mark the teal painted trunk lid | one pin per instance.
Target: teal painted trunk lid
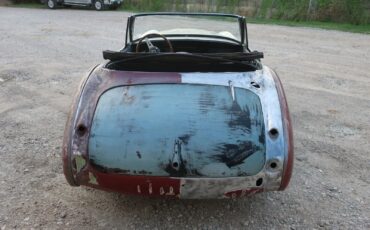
(180, 130)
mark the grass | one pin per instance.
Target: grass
(363, 28)
(29, 5)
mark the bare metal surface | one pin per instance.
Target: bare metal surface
(44, 55)
(193, 188)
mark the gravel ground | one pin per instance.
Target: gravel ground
(326, 75)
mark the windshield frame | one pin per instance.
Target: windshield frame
(242, 26)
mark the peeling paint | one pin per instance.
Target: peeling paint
(92, 179)
(150, 188)
(194, 188)
(80, 162)
(161, 191)
(171, 192)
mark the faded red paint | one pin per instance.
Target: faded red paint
(288, 130)
(134, 185)
(66, 149)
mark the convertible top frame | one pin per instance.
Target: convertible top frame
(242, 24)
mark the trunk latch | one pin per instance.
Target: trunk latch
(176, 158)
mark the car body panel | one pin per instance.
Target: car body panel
(145, 130)
(76, 153)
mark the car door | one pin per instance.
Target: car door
(82, 2)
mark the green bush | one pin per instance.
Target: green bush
(351, 11)
(24, 1)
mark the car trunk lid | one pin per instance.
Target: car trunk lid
(178, 130)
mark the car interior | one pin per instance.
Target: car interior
(183, 55)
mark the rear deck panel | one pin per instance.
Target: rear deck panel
(202, 131)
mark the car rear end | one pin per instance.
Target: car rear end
(183, 135)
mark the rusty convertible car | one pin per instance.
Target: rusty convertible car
(184, 110)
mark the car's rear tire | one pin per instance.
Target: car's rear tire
(98, 5)
(52, 4)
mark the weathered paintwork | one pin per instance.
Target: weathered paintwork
(204, 131)
(89, 160)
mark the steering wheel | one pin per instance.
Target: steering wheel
(151, 47)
